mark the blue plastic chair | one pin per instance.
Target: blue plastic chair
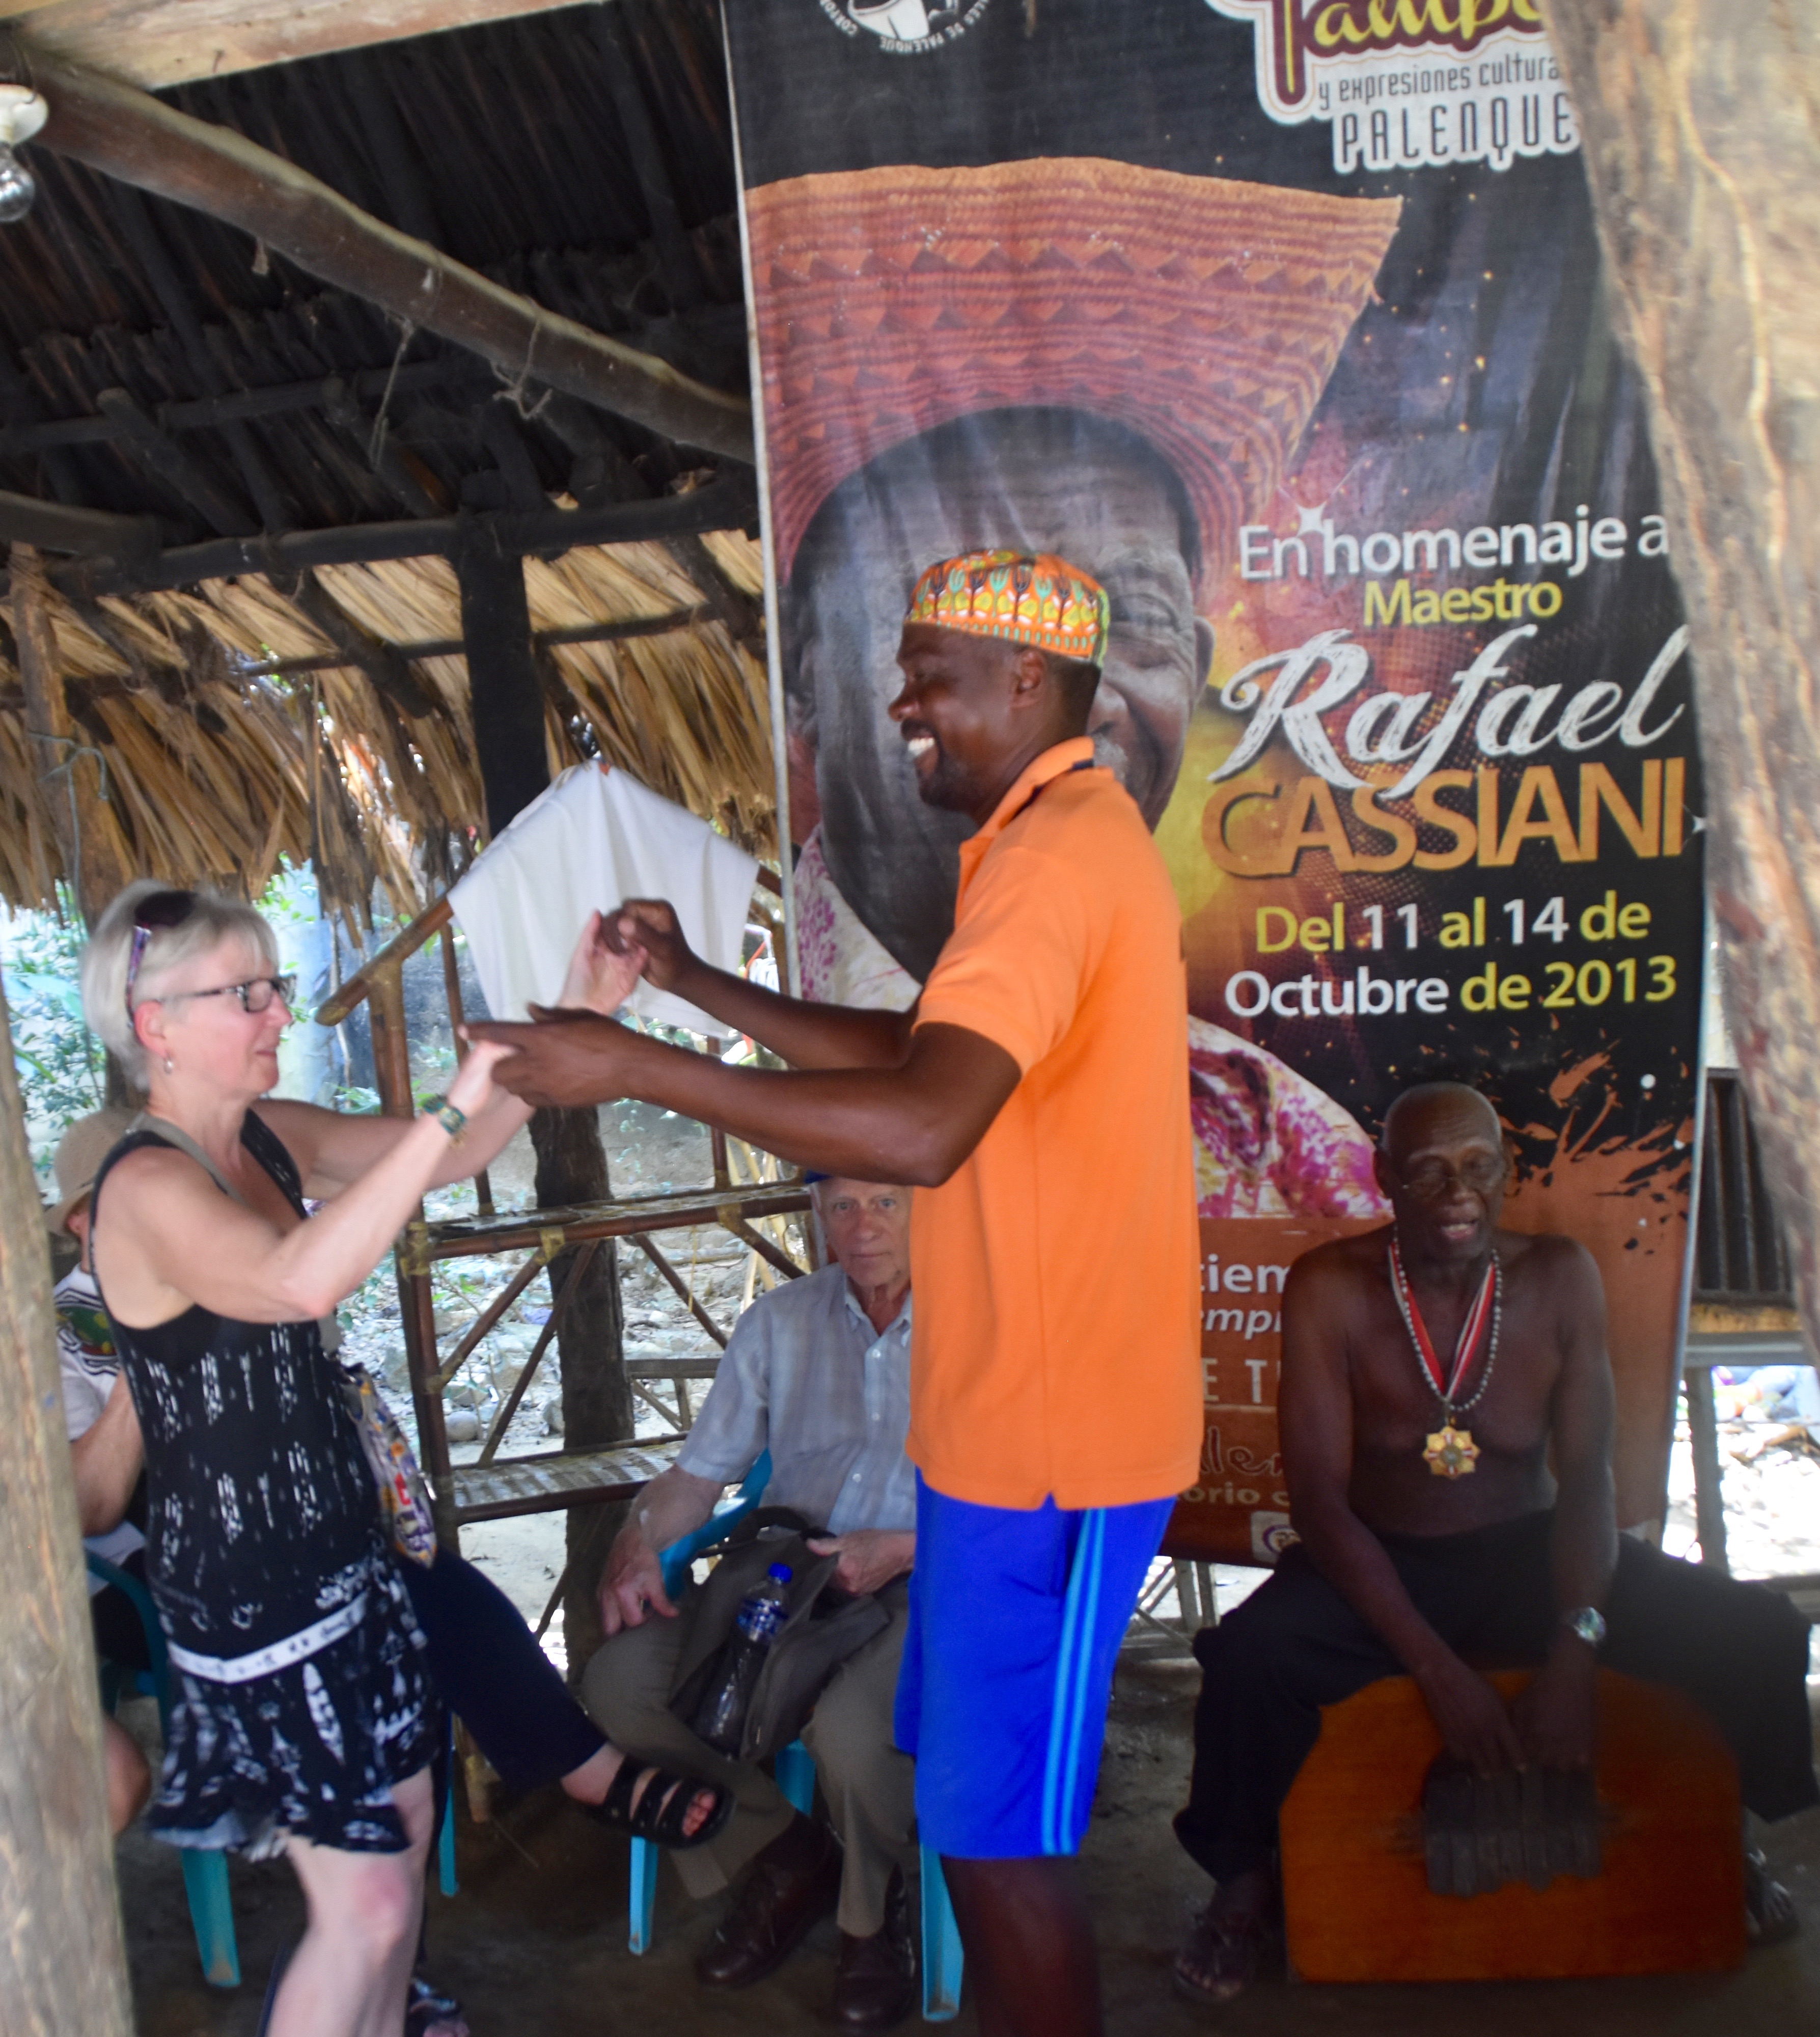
(445, 1833)
(796, 1771)
(205, 1873)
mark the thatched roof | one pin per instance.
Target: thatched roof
(271, 406)
(210, 772)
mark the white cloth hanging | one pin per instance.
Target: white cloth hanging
(595, 837)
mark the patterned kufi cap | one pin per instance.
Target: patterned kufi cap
(1024, 598)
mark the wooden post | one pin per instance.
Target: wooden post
(1704, 156)
(416, 1302)
(62, 1962)
(71, 776)
(1708, 1472)
(505, 695)
(597, 1405)
(507, 700)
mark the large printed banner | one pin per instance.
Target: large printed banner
(1284, 319)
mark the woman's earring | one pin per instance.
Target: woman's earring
(170, 1065)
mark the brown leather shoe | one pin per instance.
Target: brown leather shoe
(875, 1987)
(792, 1885)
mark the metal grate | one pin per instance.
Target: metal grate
(1739, 1255)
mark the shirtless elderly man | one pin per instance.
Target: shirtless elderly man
(1434, 1371)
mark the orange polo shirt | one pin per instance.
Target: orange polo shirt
(1055, 1352)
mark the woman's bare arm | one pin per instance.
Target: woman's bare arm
(165, 1237)
(108, 1455)
(332, 1148)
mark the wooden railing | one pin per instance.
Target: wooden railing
(495, 1486)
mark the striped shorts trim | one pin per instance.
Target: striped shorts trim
(1015, 1622)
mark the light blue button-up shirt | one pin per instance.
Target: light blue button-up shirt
(806, 1376)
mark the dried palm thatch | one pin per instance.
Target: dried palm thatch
(219, 762)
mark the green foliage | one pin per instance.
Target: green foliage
(61, 1070)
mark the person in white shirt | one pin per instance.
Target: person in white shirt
(103, 1444)
(817, 1373)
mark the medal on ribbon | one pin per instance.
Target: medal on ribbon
(1450, 1451)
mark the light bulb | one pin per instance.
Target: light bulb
(17, 186)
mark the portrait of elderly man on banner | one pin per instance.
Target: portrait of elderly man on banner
(1108, 363)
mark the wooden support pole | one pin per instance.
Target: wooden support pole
(124, 133)
(63, 1961)
(505, 695)
(458, 1017)
(71, 773)
(1708, 1472)
(1703, 152)
(597, 1409)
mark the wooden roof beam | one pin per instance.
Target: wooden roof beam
(208, 413)
(156, 44)
(82, 692)
(55, 527)
(124, 133)
(728, 504)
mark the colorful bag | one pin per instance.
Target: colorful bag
(404, 1497)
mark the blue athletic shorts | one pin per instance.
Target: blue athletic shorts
(1015, 1622)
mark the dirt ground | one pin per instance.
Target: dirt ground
(535, 1940)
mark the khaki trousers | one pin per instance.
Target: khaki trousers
(870, 1787)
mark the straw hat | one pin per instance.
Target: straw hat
(1205, 314)
(80, 1153)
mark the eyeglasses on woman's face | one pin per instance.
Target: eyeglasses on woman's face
(255, 994)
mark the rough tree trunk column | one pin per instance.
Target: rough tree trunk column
(1702, 143)
(62, 1964)
(508, 708)
(596, 1398)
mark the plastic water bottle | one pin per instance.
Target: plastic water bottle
(721, 1719)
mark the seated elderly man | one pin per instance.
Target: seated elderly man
(104, 1444)
(1446, 1414)
(818, 1373)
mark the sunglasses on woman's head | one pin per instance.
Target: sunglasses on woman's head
(156, 913)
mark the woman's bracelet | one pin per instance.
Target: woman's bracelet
(450, 1117)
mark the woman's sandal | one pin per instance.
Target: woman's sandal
(427, 2010)
(661, 1807)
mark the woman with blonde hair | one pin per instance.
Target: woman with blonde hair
(304, 1717)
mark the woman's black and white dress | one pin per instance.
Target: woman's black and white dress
(300, 1691)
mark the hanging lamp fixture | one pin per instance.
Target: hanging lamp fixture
(22, 113)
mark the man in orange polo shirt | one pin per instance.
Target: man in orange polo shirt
(1036, 1095)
